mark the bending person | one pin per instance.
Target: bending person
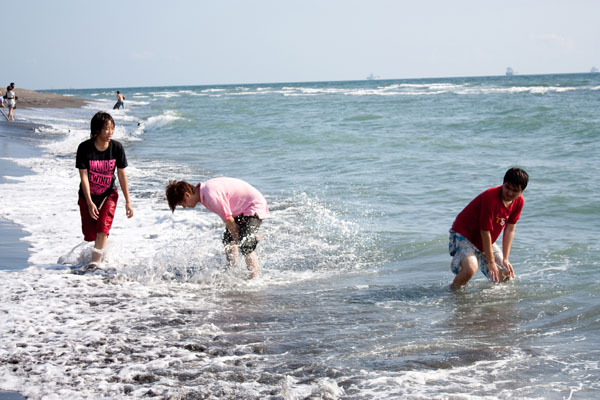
(240, 206)
(476, 228)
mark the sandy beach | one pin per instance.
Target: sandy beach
(32, 99)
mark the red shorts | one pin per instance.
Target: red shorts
(90, 226)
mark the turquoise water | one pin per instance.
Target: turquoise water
(399, 158)
(364, 180)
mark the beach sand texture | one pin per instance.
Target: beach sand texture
(32, 99)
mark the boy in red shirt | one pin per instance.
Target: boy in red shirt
(475, 230)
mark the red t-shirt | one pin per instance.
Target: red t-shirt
(487, 212)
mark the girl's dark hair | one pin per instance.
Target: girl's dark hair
(517, 177)
(175, 192)
(98, 122)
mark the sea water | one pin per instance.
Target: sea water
(363, 181)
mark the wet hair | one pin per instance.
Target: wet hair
(518, 177)
(175, 192)
(99, 121)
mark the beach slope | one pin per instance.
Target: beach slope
(32, 99)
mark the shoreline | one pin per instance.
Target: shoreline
(16, 140)
(11, 396)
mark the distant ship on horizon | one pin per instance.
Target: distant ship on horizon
(372, 77)
(509, 71)
(594, 70)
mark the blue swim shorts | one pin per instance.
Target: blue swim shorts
(460, 247)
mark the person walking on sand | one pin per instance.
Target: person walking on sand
(11, 101)
(97, 159)
(475, 230)
(120, 101)
(241, 206)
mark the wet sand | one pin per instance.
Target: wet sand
(15, 141)
(10, 396)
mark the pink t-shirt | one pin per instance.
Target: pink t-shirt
(230, 197)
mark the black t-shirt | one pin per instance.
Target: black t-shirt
(101, 167)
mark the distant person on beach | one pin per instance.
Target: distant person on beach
(11, 101)
(97, 159)
(240, 206)
(120, 101)
(475, 230)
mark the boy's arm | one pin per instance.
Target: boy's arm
(125, 189)
(486, 240)
(85, 187)
(507, 238)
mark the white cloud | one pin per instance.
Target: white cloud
(142, 55)
(554, 39)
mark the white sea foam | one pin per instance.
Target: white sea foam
(62, 343)
(134, 103)
(72, 336)
(330, 316)
(514, 90)
(396, 89)
(165, 95)
(158, 121)
(147, 241)
(393, 89)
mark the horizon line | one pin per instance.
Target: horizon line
(516, 75)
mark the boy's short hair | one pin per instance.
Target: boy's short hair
(175, 192)
(98, 121)
(516, 176)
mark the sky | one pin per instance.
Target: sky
(72, 44)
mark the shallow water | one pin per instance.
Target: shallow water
(363, 181)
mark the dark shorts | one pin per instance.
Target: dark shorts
(248, 229)
(89, 226)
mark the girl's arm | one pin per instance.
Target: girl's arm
(125, 189)
(85, 187)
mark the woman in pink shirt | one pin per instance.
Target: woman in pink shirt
(241, 206)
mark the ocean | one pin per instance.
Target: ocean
(363, 180)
